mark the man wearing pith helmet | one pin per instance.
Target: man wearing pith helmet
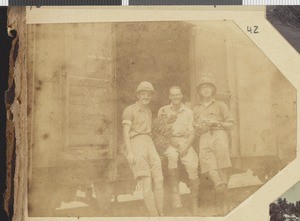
(180, 147)
(141, 152)
(212, 119)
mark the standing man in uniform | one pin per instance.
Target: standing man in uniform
(141, 152)
(212, 119)
(180, 147)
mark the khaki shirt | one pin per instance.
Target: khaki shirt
(184, 124)
(216, 110)
(139, 120)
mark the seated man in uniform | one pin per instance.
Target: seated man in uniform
(180, 147)
(141, 152)
(212, 119)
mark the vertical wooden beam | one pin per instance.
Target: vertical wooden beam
(193, 67)
(233, 101)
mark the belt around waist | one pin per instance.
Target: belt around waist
(217, 128)
(212, 130)
(137, 135)
(181, 136)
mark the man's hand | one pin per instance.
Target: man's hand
(131, 159)
(184, 150)
(211, 123)
(174, 143)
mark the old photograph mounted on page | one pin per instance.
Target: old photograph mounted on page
(153, 118)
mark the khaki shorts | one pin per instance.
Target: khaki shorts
(147, 159)
(214, 151)
(190, 160)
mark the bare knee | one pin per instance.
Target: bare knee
(192, 172)
(158, 181)
(146, 184)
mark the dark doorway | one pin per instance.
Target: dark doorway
(157, 52)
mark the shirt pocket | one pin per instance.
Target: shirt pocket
(139, 121)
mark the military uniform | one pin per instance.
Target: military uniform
(213, 144)
(212, 118)
(145, 164)
(182, 128)
(147, 160)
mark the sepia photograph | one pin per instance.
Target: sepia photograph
(152, 118)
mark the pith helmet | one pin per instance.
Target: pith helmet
(207, 80)
(145, 86)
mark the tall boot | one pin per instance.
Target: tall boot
(150, 203)
(226, 208)
(174, 183)
(149, 196)
(220, 199)
(159, 195)
(194, 187)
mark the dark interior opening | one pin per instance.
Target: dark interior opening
(157, 52)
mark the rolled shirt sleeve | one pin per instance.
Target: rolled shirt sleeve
(127, 117)
(191, 128)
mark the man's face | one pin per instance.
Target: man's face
(206, 90)
(175, 96)
(145, 97)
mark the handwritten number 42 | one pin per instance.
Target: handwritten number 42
(253, 29)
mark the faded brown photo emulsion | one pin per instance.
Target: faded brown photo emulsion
(152, 118)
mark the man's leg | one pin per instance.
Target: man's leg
(173, 174)
(142, 171)
(194, 186)
(159, 194)
(148, 196)
(224, 176)
(215, 177)
(174, 184)
(219, 179)
(190, 161)
(157, 176)
(222, 159)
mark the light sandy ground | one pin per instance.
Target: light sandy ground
(241, 186)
